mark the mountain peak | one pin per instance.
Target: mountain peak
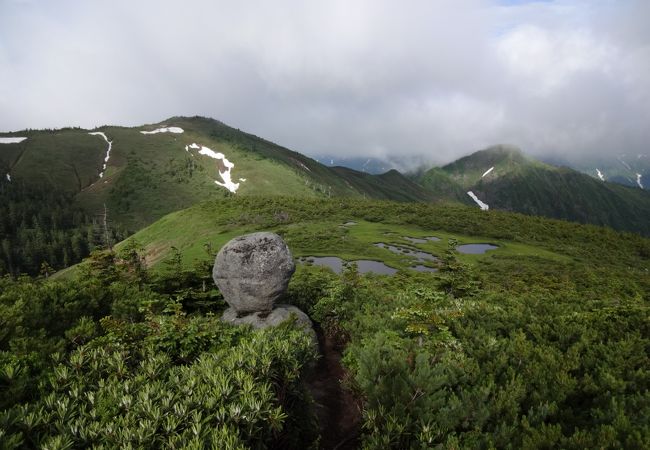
(492, 156)
(493, 161)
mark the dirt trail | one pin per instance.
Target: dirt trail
(336, 408)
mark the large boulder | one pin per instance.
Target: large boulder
(252, 271)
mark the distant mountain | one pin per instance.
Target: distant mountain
(143, 173)
(503, 178)
(373, 166)
(628, 170)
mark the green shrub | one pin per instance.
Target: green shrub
(195, 384)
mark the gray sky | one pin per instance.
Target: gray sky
(430, 79)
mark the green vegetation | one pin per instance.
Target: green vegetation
(576, 197)
(519, 183)
(42, 231)
(470, 368)
(149, 176)
(120, 359)
(540, 343)
(314, 227)
(543, 342)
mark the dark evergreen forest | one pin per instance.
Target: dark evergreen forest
(42, 230)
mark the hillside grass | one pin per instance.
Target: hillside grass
(68, 160)
(314, 227)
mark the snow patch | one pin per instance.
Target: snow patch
(600, 175)
(225, 175)
(638, 180)
(108, 151)
(626, 165)
(487, 171)
(483, 206)
(176, 130)
(243, 180)
(11, 140)
(8, 177)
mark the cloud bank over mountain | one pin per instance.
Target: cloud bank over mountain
(410, 81)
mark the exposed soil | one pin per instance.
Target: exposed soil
(337, 409)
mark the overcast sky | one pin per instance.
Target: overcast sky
(431, 79)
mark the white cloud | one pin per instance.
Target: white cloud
(408, 80)
(544, 60)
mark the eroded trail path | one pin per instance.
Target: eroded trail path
(337, 410)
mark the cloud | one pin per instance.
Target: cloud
(409, 81)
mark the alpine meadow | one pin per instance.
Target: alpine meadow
(432, 230)
(540, 341)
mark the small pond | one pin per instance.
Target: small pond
(423, 240)
(349, 224)
(336, 264)
(379, 267)
(475, 249)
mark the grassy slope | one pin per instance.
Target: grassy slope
(314, 227)
(152, 175)
(68, 159)
(439, 181)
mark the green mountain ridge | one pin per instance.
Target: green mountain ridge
(505, 178)
(148, 176)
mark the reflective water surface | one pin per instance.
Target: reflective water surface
(475, 249)
(336, 264)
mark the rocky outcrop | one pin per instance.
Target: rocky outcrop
(278, 314)
(252, 272)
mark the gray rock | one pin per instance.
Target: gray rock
(253, 271)
(264, 319)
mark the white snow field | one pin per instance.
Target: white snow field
(487, 171)
(176, 130)
(108, 151)
(483, 206)
(11, 140)
(225, 175)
